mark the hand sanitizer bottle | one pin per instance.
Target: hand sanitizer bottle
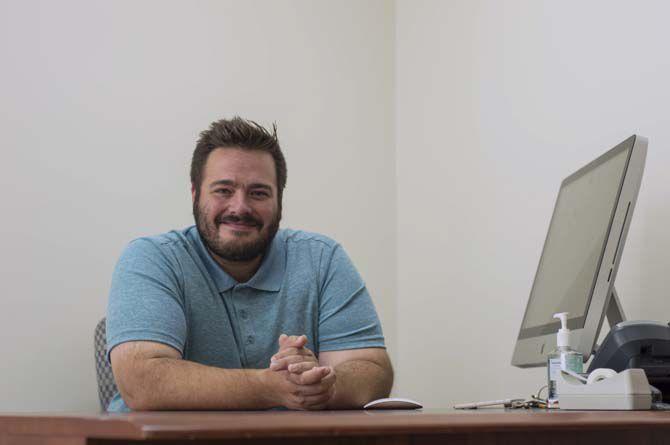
(563, 357)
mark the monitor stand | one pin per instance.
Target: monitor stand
(614, 312)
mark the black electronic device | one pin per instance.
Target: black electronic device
(638, 344)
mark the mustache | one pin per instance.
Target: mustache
(238, 219)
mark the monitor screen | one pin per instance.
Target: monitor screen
(581, 253)
(574, 245)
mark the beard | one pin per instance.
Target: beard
(240, 249)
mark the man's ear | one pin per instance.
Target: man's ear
(193, 193)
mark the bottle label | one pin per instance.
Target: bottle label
(554, 368)
(572, 362)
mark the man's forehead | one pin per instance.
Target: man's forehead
(237, 164)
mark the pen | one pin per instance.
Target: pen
(475, 405)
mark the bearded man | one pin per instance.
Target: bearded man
(235, 313)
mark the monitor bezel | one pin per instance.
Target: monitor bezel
(535, 342)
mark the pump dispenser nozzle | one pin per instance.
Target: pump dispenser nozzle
(563, 337)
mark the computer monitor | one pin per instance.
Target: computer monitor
(581, 254)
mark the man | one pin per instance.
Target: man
(235, 313)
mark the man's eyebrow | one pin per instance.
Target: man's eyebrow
(254, 185)
(222, 182)
(259, 185)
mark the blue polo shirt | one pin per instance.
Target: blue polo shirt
(168, 289)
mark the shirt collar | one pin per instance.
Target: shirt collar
(269, 275)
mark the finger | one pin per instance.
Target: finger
(296, 377)
(330, 378)
(293, 378)
(326, 381)
(302, 402)
(312, 402)
(311, 390)
(319, 401)
(285, 353)
(286, 341)
(284, 363)
(314, 375)
(299, 368)
(295, 341)
(292, 351)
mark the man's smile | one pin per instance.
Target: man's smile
(240, 226)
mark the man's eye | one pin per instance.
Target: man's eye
(223, 191)
(260, 194)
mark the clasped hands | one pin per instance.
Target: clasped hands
(305, 385)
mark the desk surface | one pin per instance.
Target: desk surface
(410, 425)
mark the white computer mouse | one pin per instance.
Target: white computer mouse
(393, 403)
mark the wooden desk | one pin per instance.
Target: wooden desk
(341, 427)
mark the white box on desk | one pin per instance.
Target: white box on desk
(626, 390)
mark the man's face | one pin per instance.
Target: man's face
(237, 210)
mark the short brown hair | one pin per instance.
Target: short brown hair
(238, 133)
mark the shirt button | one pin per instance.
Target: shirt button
(243, 314)
(250, 340)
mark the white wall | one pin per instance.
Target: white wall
(101, 104)
(496, 103)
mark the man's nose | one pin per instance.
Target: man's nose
(239, 203)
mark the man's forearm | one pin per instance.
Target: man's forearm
(173, 384)
(359, 382)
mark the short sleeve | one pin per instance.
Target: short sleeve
(145, 300)
(347, 316)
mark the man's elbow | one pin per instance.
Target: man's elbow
(136, 395)
(140, 370)
(140, 399)
(386, 374)
(386, 381)
(139, 386)
(382, 383)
